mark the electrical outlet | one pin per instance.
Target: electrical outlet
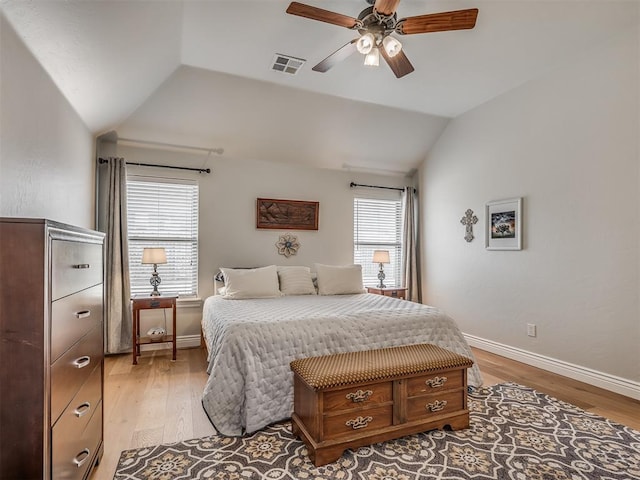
(531, 329)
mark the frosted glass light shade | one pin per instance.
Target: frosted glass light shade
(154, 255)
(365, 43)
(372, 59)
(391, 46)
(381, 256)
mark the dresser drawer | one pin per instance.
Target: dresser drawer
(448, 380)
(72, 369)
(354, 397)
(84, 403)
(74, 446)
(357, 421)
(73, 317)
(75, 266)
(426, 406)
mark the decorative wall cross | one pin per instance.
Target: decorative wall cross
(468, 220)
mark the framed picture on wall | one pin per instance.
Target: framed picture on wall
(504, 224)
(286, 214)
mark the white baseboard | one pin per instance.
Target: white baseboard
(184, 341)
(609, 382)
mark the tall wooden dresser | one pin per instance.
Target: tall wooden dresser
(51, 349)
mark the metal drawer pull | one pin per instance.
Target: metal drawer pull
(359, 395)
(81, 265)
(82, 361)
(436, 382)
(85, 454)
(83, 314)
(436, 406)
(359, 422)
(82, 410)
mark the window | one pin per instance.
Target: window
(163, 213)
(377, 225)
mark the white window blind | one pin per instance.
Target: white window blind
(163, 213)
(377, 225)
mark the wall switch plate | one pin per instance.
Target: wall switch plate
(531, 329)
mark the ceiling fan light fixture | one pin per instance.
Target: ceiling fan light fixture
(365, 43)
(372, 59)
(391, 45)
(381, 19)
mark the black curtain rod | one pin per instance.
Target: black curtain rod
(352, 184)
(199, 170)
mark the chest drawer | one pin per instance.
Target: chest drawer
(357, 421)
(433, 383)
(72, 369)
(75, 266)
(426, 406)
(73, 449)
(73, 317)
(84, 403)
(354, 397)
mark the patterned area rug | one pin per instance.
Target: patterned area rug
(516, 433)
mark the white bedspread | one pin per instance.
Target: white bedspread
(251, 343)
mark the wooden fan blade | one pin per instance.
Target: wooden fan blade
(439, 22)
(399, 63)
(336, 57)
(386, 7)
(315, 13)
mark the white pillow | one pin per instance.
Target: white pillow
(296, 281)
(251, 283)
(339, 280)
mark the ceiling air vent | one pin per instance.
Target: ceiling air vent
(286, 64)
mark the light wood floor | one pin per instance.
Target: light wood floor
(159, 401)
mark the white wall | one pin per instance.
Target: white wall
(228, 235)
(46, 152)
(568, 144)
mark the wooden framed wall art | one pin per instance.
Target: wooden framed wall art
(286, 214)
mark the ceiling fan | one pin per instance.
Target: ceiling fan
(376, 24)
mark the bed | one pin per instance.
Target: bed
(251, 342)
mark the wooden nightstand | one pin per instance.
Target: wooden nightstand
(389, 292)
(146, 303)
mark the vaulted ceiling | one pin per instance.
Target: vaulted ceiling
(199, 72)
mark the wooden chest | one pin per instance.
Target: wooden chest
(354, 399)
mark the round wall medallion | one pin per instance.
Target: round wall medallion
(287, 245)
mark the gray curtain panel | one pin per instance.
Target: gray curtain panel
(411, 249)
(118, 323)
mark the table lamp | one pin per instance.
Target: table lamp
(381, 257)
(154, 256)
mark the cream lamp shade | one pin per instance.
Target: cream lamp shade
(154, 256)
(380, 256)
